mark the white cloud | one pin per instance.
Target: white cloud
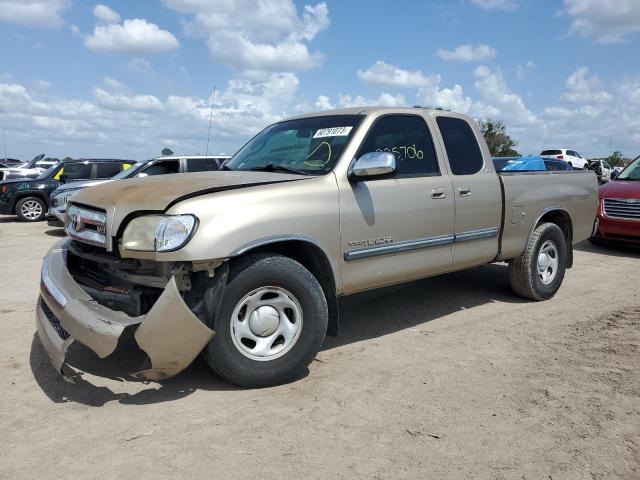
(42, 84)
(584, 89)
(135, 36)
(121, 123)
(524, 68)
(33, 13)
(256, 36)
(139, 65)
(505, 5)
(467, 53)
(324, 103)
(383, 100)
(494, 91)
(608, 21)
(105, 15)
(448, 98)
(386, 75)
(117, 99)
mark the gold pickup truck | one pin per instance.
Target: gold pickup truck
(245, 265)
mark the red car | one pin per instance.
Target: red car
(619, 207)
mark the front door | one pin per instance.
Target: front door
(398, 227)
(477, 191)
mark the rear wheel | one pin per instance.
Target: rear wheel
(31, 209)
(538, 273)
(272, 322)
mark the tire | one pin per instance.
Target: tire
(570, 164)
(525, 275)
(31, 209)
(240, 355)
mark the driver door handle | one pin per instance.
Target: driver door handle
(438, 193)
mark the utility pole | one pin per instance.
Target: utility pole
(213, 97)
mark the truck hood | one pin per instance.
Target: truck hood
(121, 198)
(620, 189)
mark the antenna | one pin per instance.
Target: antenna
(213, 97)
(4, 134)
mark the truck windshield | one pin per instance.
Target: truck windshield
(632, 172)
(310, 146)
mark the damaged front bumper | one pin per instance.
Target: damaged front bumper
(170, 334)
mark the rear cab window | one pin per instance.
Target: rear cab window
(461, 145)
(409, 139)
(203, 164)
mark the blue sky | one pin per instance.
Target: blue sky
(126, 78)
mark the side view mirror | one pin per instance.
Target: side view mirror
(373, 164)
(614, 174)
(63, 178)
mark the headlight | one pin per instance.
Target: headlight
(160, 233)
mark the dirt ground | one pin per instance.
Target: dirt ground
(449, 377)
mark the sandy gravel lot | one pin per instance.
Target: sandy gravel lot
(449, 377)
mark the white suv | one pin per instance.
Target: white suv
(572, 157)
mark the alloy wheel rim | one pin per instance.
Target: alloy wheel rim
(266, 323)
(547, 264)
(31, 209)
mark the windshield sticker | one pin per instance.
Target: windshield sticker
(333, 132)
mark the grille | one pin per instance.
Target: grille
(88, 226)
(55, 323)
(622, 208)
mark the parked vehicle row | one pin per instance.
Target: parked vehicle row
(312, 208)
(157, 166)
(31, 169)
(29, 199)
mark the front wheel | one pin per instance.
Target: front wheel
(272, 322)
(31, 209)
(538, 273)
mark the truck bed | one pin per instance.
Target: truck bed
(528, 196)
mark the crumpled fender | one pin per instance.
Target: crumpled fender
(171, 335)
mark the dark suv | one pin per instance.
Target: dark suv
(29, 198)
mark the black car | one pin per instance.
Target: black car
(29, 198)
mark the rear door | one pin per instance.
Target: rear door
(477, 192)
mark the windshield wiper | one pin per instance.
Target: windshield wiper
(274, 167)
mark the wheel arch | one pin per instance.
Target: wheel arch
(19, 196)
(560, 217)
(313, 257)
